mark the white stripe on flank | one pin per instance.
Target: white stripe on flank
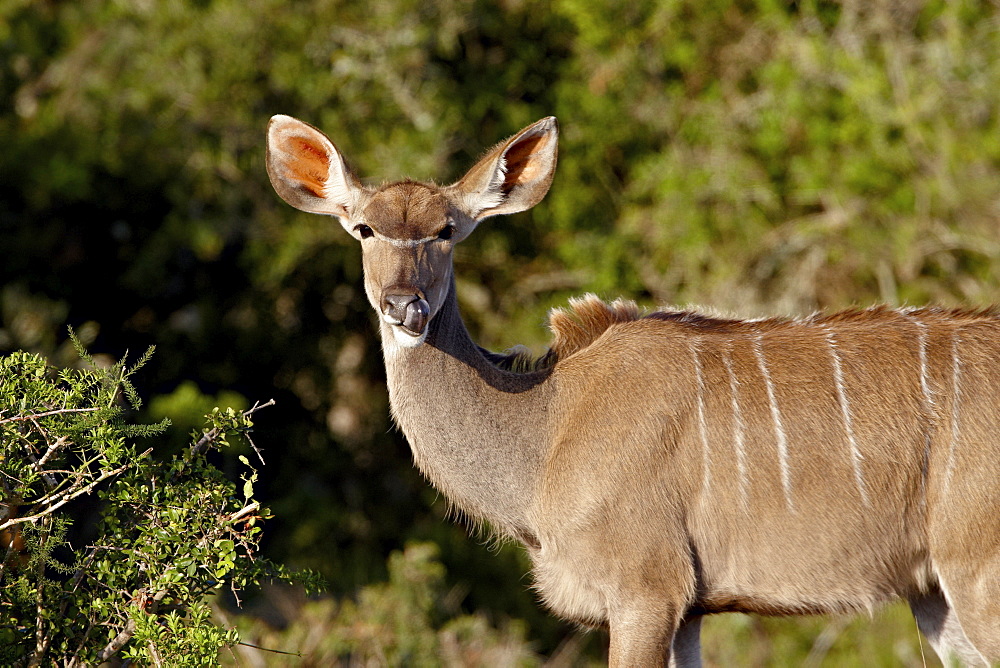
(845, 409)
(738, 429)
(956, 400)
(929, 405)
(922, 357)
(779, 429)
(702, 426)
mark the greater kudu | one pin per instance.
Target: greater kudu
(661, 467)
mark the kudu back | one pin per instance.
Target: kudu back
(660, 467)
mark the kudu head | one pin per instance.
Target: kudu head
(407, 229)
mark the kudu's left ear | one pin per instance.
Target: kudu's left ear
(515, 175)
(307, 170)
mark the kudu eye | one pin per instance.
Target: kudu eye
(364, 231)
(447, 232)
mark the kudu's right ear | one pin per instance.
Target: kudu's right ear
(515, 175)
(307, 170)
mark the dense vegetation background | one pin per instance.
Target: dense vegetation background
(753, 156)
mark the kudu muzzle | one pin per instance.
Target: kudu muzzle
(405, 307)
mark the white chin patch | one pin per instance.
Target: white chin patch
(405, 340)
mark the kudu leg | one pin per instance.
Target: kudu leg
(939, 623)
(641, 638)
(972, 589)
(686, 648)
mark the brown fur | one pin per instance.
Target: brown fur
(585, 321)
(399, 204)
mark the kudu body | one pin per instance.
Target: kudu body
(665, 466)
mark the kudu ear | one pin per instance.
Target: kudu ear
(515, 175)
(307, 170)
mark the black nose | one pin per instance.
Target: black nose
(407, 310)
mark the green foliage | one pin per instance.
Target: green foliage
(795, 157)
(889, 637)
(403, 622)
(168, 533)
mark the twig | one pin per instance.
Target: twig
(224, 618)
(22, 418)
(74, 661)
(118, 641)
(66, 496)
(36, 463)
(126, 634)
(268, 649)
(77, 579)
(246, 510)
(59, 442)
(825, 641)
(41, 639)
(255, 448)
(213, 434)
(154, 654)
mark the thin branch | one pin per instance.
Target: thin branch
(126, 634)
(59, 442)
(75, 661)
(78, 578)
(154, 654)
(118, 641)
(75, 583)
(81, 473)
(246, 510)
(268, 649)
(33, 416)
(66, 496)
(224, 618)
(255, 448)
(257, 406)
(41, 639)
(36, 463)
(213, 434)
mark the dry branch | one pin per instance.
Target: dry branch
(35, 416)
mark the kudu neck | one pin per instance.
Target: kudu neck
(477, 431)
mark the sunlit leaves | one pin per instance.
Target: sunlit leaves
(169, 532)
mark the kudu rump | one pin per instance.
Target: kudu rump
(661, 467)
